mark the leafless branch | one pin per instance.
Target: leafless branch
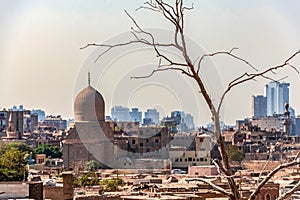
(270, 175)
(163, 69)
(217, 188)
(247, 77)
(297, 156)
(229, 53)
(207, 130)
(147, 8)
(188, 8)
(222, 171)
(290, 192)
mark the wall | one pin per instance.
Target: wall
(14, 190)
(209, 170)
(54, 193)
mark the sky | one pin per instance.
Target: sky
(42, 66)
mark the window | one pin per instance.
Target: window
(180, 159)
(133, 141)
(141, 144)
(156, 140)
(147, 140)
(147, 150)
(200, 139)
(268, 196)
(201, 159)
(190, 159)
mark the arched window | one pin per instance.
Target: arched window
(268, 196)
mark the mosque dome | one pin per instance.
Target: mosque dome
(89, 105)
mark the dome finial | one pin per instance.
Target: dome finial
(89, 78)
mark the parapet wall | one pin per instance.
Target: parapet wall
(14, 190)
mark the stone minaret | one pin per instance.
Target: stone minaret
(287, 120)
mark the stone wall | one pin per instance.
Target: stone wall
(68, 190)
(53, 193)
(13, 190)
(36, 190)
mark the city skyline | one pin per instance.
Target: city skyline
(130, 111)
(40, 58)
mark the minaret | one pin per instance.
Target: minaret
(287, 121)
(11, 131)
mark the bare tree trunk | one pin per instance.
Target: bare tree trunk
(174, 13)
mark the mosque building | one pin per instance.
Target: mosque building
(113, 144)
(89, 138)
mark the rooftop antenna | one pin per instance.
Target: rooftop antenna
(89, 78)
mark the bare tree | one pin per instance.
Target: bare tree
(174, 13)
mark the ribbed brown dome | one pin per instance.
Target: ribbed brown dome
(89, 105)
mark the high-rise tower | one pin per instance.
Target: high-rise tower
(258, 106)
(277, 96)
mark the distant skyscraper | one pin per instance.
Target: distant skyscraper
(152, 114)
(135, 115)
(297, 126)
(120, 113)
(41, 114)
(258, 106)
(277, 95)
(189, 121)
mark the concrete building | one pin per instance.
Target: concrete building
(152, 114)
(30, 121)
(120, 113)
(270, 123)
(41, 114)
(190, 150)
(258, 106)
(135, 115)
(189, 121)
(55, 121)
(277, 96)
(3, 120)
(297, 126)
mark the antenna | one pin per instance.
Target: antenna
(89, 78)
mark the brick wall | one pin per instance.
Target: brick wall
(53, 193)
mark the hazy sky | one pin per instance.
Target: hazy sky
(41, 65)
